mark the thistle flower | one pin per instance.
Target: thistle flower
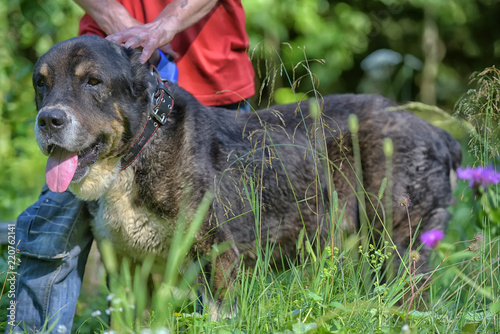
(479, 176)
(431, 239)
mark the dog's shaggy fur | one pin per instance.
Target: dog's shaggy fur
(99, 96)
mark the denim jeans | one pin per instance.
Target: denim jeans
(54, 241)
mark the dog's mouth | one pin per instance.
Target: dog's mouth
(64, 166)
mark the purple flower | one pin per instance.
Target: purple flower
(479, 176)
(431, 239)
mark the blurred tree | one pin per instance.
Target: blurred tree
(313, 40)
(439, 42)
(453, 38)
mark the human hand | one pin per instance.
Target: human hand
(148, 37)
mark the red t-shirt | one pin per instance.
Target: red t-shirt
(213, 62)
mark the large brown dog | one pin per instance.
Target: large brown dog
(150, 153)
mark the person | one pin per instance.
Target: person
(208, 40)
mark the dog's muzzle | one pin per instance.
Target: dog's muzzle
(52, 121)
(70, 156)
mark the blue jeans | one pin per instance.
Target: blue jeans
(54, 241)
(54, 238)
(242, 107)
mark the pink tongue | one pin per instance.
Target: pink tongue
(61, 166)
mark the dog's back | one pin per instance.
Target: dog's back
(275, 178)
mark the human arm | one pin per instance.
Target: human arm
(175, 17)
(110, 15)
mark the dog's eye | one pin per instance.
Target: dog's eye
(93, 82)
(40, 82)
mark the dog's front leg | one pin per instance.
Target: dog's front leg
(218, 277)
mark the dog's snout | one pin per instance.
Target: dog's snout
(52, 120)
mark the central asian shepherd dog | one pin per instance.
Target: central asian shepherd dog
(149, 152)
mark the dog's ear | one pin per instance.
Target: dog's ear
(133, 55)
(141, 79)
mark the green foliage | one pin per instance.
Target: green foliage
(437, 45)
(314, 37)
(480, 109)
(28, 29)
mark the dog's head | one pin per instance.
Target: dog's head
(91, 95)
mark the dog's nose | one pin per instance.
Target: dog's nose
(52, 120)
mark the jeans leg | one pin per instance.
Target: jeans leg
(242, 107)
(54, 239)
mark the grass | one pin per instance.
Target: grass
(335, 289)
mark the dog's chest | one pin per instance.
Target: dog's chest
(133, 230)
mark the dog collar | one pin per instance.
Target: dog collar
(163, 105)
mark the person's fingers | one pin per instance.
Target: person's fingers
(141, 38)
(155, 58)
(116, 38)
(167, 49)
(133, 42)
(123, 36)
(147, 50)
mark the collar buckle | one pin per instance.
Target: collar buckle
(163, 103)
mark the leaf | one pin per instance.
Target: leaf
(302, 328)
(315, 297)
(336, 305)
(495, 307)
